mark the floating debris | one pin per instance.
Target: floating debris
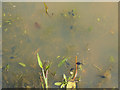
(22, 64)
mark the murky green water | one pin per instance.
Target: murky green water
(86, 30)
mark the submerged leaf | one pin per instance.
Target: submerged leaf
(39, 61)
(58, 56)
(112, 59)
(58, 83)
(63, 61)
(22, 64)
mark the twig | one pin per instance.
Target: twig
(76, 69)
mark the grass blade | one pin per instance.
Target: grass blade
(64, 76)
(62, 62)
(39, 61)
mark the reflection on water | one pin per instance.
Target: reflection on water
(86, 30)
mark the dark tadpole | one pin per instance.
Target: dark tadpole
(71, 69)
(102, 76)
(78, 63)
(11, 57)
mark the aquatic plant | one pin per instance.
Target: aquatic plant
(70, 82)
(43, 71)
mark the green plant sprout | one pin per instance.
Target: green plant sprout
(43, 71)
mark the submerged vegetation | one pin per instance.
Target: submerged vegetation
(70, 82)
(66, 37)
(44, 73)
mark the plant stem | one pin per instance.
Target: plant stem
(45, 79)
(76, 69)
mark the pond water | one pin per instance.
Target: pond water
(86, 30)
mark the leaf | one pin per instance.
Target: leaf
(62, 62)
(62, 86)
(58, 56)
(58, 83)
(22, 64)
(64, 76)
(39, 61)
(47, 67)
